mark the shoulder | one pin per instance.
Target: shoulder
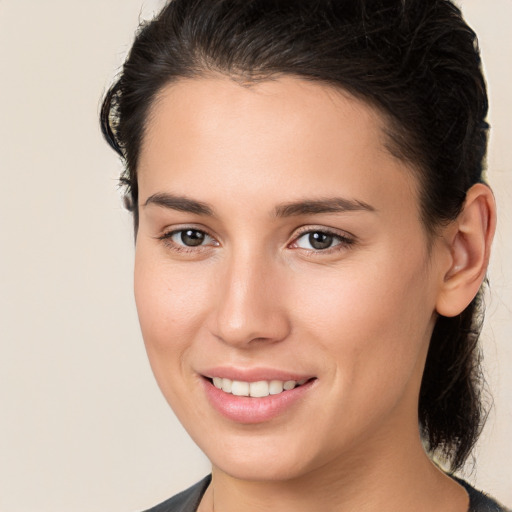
(185, 501)
(481, 502)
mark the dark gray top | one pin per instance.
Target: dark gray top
(185, 501)
(479, 501)
(188, 501)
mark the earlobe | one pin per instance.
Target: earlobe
(469, 242)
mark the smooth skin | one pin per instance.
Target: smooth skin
(228, 274)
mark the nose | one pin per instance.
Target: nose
(251, 306)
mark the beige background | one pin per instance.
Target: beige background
(82, 424)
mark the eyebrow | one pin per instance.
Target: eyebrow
(296, 208)
(328, 205)
(180, 203)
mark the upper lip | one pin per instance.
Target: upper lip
(254, 374)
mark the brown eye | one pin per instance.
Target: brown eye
(317, 240)
(188, 239)
(191, 237)
(321, 241)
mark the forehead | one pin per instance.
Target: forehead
(283, 106)
(289, 133)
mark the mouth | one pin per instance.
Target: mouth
(257, 399)
(258, 389)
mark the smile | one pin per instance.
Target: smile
(258, 398)
(259, 389)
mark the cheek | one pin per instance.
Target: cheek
(374, 320)
(171, 304)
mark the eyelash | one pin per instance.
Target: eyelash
(166, 238)
(344, 242)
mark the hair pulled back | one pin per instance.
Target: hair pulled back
(416, 61)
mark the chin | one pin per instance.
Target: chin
(258, 458)
(260, 470)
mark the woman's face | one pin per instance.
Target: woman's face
(280, 241)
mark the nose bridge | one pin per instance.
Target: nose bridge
(249, 306)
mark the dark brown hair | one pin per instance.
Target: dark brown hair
(416, 61)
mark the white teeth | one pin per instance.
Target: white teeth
(289, 384)
(226, 385)
(240, 388)
(258, 389)
(275, 387)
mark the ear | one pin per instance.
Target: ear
(469, 240)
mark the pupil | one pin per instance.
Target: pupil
(320, 240)
(191, 237)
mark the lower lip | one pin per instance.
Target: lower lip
(244, 409)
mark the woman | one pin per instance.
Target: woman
(312, 233)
